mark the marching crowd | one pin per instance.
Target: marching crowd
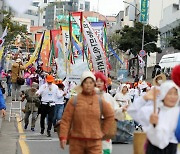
(88, 116)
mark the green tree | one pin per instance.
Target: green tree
(131, 38)
(14, 28)
(175, 40)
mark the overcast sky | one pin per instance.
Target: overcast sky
(107, 7)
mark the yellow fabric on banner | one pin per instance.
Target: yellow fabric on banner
(45, 52)
(1, 52)
(79, 43)
(35, 54)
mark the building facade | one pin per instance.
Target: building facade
(63, 8)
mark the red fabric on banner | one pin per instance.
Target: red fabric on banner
(37, 37)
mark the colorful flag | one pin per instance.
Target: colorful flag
(46, 51)
(36, 52)
(52, 54)
(57, 39)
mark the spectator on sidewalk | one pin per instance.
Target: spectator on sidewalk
(16, 69)
(2, 104)
(31, 107)
(8, 81)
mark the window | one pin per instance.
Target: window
(32, 22)
(44, 17)
(127, 10)
(81, 7)
(45, 1)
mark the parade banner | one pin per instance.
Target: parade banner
(36, 52)
(98, 28)
(55, 35)
(65, 40)
(37, 38)
(94, 45)
(45, 52)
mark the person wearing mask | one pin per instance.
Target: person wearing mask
(16, 69)
(48, 93)
(31, 106)
(59, 107)
(101, 82)
(160, 123)
(80, 122)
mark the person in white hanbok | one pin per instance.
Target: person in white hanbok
(101, 85)
(160, 126)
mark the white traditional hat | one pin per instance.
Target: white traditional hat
(87, 74)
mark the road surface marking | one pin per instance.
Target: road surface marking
(22, 137)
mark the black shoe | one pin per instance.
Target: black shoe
(42, 131)
(33, 129)
(55, 129)
(25, 127)
(48, 134)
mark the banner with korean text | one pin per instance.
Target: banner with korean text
(94, 45)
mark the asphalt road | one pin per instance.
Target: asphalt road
(37, 143)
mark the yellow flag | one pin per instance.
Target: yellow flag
(35, 54)
(1, 52)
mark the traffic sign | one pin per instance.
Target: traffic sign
(142, 53)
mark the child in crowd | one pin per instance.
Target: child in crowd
(160, 126)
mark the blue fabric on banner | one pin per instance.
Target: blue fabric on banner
(94, 24)
(177, 132)
(117, 57)
(77, 46)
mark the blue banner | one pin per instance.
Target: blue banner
(114, 53)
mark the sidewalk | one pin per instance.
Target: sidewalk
(8, 137)
(8, 134)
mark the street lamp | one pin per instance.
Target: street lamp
(142, 48)
(149, 43)
(142, 23)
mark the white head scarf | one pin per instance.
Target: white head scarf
(164, 89)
